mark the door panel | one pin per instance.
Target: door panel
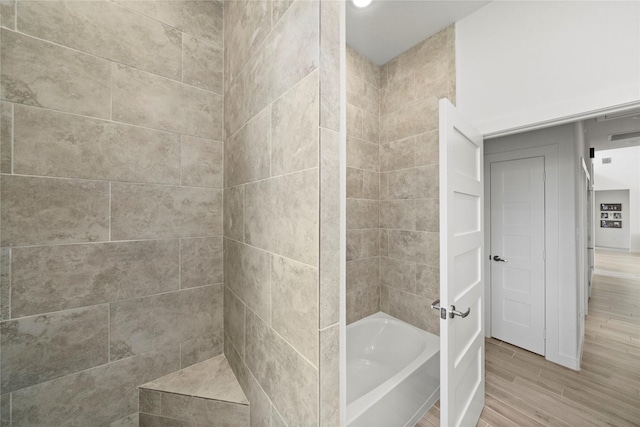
(517, 237)
(461, 270)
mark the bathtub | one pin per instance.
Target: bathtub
(393, 372)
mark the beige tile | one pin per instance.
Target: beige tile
(210, 379)
(427, 215)
(295, 128)
(330, 60)
(201, 162)
(427, 149)
(279, 8)
(330, 230)
(415, 246)
(49, 143)
(294, 310)
(384, 242)
(248, 274)
(128, 421)
(398, 214)
(234, 310)
(290, 381)
(199, 349)
(56, 211)
(148, 100)
(160, 321)
(415, 183)
(6, 136)
(281, 215)
(362, 67)
(140, 211)
(354, 122)
(371, 127)
(246, 153)
(52, 278)
(397, 155)
(428, 281)
(370, 185)
(149, 401)
(411, 119)
(330, 376)
(362, 154)
(243, 34)
(410, 308)
(5, 410)
(197, 18)
(354, 245)
(362, 214)
(201, 262)
(398, 274)
(363, 95)
(148, 420)
(384, 186)
(5, 283)
(108, 389)
(204, 411)
(363, 273)
(234, 111)
(234, 213)
(39, 348)
(362, 303)
(437, 76)
(355, 183)
(288, 54)
(8, 14)
(399, 92)
(42, 74)
(106, 30)
(261, 409)
(238, 367)
(370, 242)
(202, 62)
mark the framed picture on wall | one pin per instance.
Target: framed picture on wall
(604, 215)
(611, 206)
(610, 224)
(616, 215)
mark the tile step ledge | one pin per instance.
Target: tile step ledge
(204, 394)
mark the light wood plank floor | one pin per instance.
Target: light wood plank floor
(524, 389)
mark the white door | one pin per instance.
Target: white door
(517, 253)
(461, 285)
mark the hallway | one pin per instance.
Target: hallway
(524, 389)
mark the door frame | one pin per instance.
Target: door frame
(551, 244)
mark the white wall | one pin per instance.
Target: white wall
(562, 305)
(525, 62)
(622, 173)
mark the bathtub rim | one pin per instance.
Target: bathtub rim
(364, 402)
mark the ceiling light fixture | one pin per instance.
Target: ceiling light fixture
(361, 3)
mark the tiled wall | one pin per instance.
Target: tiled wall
(410, 86)
(281, 148)
(363, 139)
(111, 203)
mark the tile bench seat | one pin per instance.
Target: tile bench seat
(206, 394)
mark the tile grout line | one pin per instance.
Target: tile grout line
(110, 240)
(13, 125)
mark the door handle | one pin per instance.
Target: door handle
(497, 258)
(436, 304)
(453, 312)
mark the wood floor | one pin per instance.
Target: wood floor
(523, 389)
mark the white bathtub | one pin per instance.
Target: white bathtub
(393, 372)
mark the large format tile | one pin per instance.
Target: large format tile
(363, 273)
(410, 308)
(294, 128)
(330, 47)
(202, 162)
(160, 321)
(5, 283)
(246, 153)
(234, 213)
(38, 73)
(46, 278)
(398, 214)
(362, 303)
(247, 273)
(199, 349)
(362, 154)
(56, 211)
(48, 143)
(415, 246)
(234, 310)
(149, 420)
(289, 53)
(8, 14)
(202, 62)
(395, 273)
(6, 137)
(281, 215)
(128, 421)
(204, 412)
(202, 18)
(148, 100)
(290, 381)
(201, 262)
(39, 348)
(362, 213)
(106, 30)
(108, 390)
(330, 377)
(294, 305)
(140, 211)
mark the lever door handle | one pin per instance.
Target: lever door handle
(453, 312)
(497, 258)
(436, 304)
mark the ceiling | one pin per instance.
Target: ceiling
(386, 28)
